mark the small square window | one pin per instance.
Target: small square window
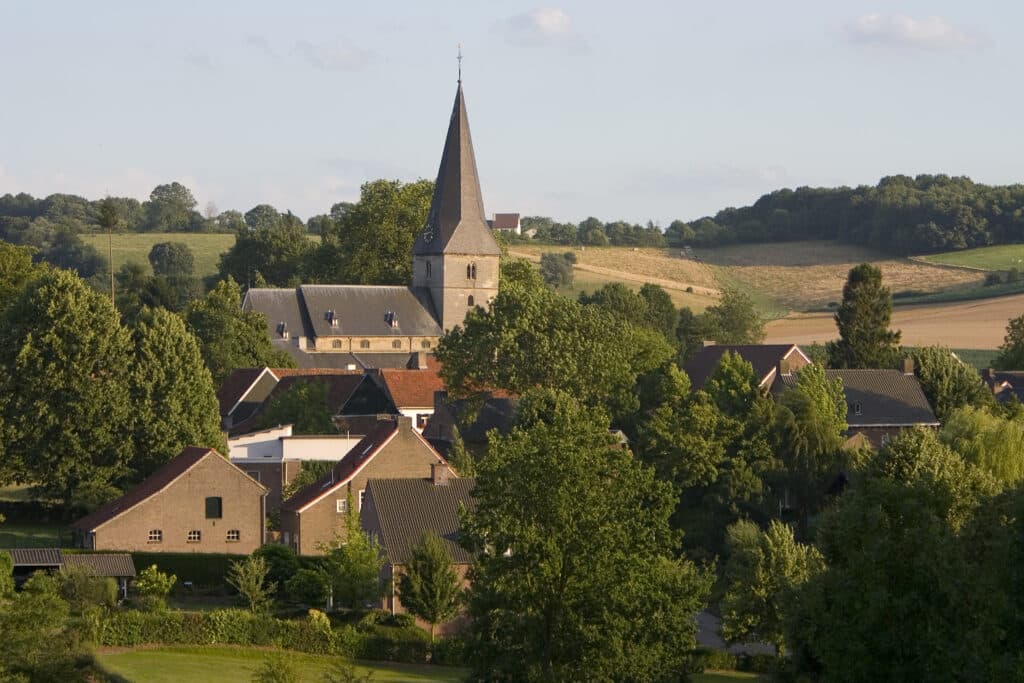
(214, 507)
(234, 535)
(396, 344)
(195, 536)
(156, 536)
(341, 505)
(364, 344)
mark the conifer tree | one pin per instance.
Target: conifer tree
(865, 340)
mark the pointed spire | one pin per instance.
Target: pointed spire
(456, 222)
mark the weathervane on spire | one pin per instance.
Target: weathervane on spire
(460, 62)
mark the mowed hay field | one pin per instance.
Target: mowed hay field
(804, 276)
(966, 324)
(134, 247)
(597, 266)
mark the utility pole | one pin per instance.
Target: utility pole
(108, 219)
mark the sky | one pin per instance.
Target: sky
(635, 111)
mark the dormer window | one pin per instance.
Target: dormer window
(282, 329)
(331, 317)
(391, 319)
(857, 408)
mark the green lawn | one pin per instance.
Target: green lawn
(1002, 257)
(135, 246)
(34, 536)
(224, 664)
(16, 493)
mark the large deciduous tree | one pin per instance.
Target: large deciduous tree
(171, 208)
(303, 405)
(865, 340)
(64, 390)
(1011, 353)
(270, 246)
(575, 576)
(229, 337)
(172, 259)
(734, 320)
(531, 337)
(429, 587)
(947, 381)
(175, 403)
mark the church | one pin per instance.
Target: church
(455, 267)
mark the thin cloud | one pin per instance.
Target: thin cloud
(336, 55)
(261, 44)
(900, 30)
(200, 60)
(544, 26)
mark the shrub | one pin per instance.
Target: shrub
(153, 586)
(394, 645)
(319, 620)
(449, 652)
(308, 586)
(276, 668)
(249, 578)
(282, 563)
(709, 658)
(81, 589)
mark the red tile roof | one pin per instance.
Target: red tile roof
(505, 221)
(151, 485)
(412, 388)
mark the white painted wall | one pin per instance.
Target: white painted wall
(317, 448)
(259, 446)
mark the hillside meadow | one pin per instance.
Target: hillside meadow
(1002, 257)
(133, 247)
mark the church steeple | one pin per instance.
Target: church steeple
(456, 222)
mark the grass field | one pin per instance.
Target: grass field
(223, 664)
(33, 536)
(135, 246)
(805, 276)
(1002, 257)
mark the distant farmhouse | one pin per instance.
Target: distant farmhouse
(455, 268)
(507, 222)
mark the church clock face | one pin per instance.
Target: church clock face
(428, 233)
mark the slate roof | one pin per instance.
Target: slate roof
(345, 468)
(406, 508)
(154, 483)
(103, 564)
(456, 223)
(884, 397)
(279, 305)
(764, 357)
(412, 388)
(35, 557)
(362, 310)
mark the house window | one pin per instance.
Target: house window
(856, 408)
(336, 344)
(156, 536)
(471, 301)
(213, 507)
(362, 495)
(341, 505)
(234, 535)
(397, 344)
(364, 344)
(195, 536)
(425, 344)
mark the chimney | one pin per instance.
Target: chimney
(418, 361)
(907, 366)
(439, 474)
(404, 423)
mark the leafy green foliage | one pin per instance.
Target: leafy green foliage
(650, 308)
(172, 259)
(310, 472)
(65, 406)
(991, 442)
(36, 643)
(764, 574)
(153, 587)
(460, 458)
(303, 405)
(589, 588)
(171, 208)
(556, 269)
(276, 667)
(947, 382)
(174, 400)
(270, 250)
(586, 351)
(6, 574)
(282, 563)
(16, 269)
(351, 566)
(308, 586)
(865, 340)
(429, 588)
(733, 320)
(249, 578)
(1011, 353)
(229, 337)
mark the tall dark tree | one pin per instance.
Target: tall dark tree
(229, 337)
(172, 259)
(865, 340)
(64, 390)
(175, 403)
(575, 576)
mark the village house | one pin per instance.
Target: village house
(196, 503)
(316, 515)
(767, 359)
(879, 403)
(507, 222)
(398, 512)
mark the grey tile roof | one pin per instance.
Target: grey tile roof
(279, 306)
(363, 310)
(883, 397)
(406, 508)
(35, 557)
(764, 358)
(118, 565)
(456, 223)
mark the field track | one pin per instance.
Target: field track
(967, 324)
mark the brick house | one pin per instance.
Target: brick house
(397, 512)
(316, 514)
(768, 360)
(198, 502)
